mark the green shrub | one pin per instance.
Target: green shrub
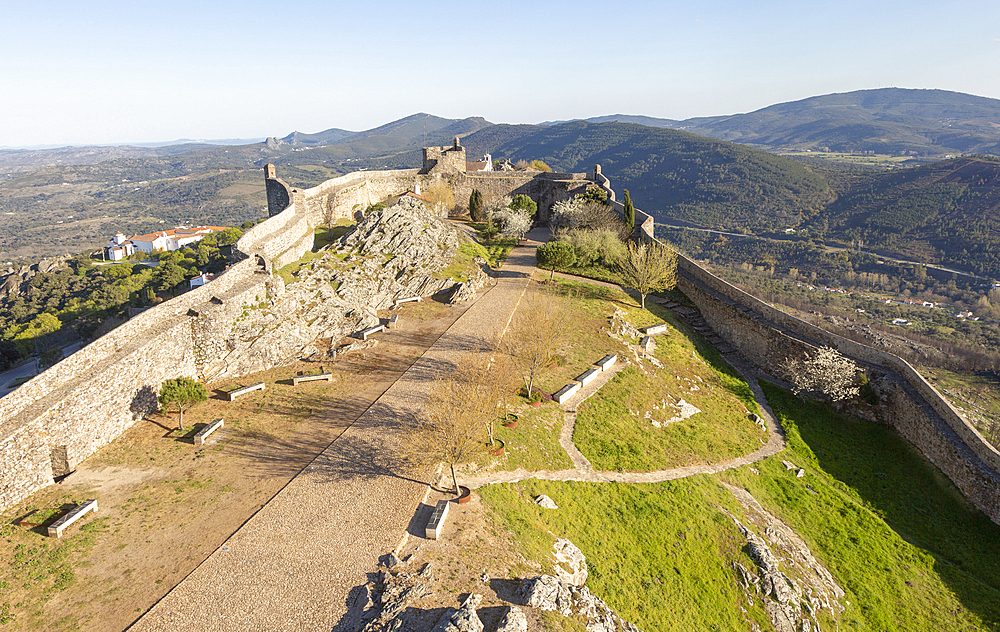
(522, 202)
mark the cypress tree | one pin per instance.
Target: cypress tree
(475, 205)
(629, 211)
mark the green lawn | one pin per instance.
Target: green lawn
(882, 516)
(908, 550)
(612, 430)
(534, 444)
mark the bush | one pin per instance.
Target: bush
(595, 247)
(522, 202)
(538, 165)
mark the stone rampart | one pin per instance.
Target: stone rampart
(644, 225)
(767, 336)
(91, 397)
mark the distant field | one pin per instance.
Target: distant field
(877, 160)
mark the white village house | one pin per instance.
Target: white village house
(173, 239)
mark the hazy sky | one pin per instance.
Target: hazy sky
(112, 72)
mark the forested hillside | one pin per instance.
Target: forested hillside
(948, 211)
(672, 174)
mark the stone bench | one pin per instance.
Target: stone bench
(437, 519)
(246, 389)
(606, 362)
(647, 344)
(201, 435)
(400, 301)
(56, 528)
(364, 333)
(566, 392)
(655, 330)
(311, 378)
(587, 376)
(393, 321)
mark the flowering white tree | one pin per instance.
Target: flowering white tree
(827, 372)
(566, 214)
(513, 224)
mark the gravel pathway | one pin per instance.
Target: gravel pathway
(293, 565)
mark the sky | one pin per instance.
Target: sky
(108, 72)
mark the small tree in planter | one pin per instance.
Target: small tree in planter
(494, 378)
(456, 422)
(182, 393)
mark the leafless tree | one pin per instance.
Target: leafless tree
(540, 325)
(456, 422)
(647, 268)
(440, 197)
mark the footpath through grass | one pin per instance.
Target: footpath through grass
(908, 550)
(635, 423)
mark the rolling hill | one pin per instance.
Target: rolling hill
(884, 121)
(672, 174)
(947, 212)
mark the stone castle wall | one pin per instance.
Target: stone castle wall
(767, 336)
(91, 397)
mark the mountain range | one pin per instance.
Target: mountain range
(885, 121)
(74, 197)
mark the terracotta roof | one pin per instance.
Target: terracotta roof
(476, 166)
(179, 232)
(415, 195)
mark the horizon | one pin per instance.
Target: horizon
(107, 73)
(235, 141)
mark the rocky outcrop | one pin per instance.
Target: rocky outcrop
(792, 585)
(394, 253)
(378, 607)
(464, 619)
(550, 593)
(513, 621)
(571, 565)
(16, 281)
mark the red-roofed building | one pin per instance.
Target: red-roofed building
(173, 239)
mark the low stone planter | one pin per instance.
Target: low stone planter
(499, 451)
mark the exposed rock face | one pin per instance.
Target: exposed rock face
(464, 619)
(571, 564)
(549, 593)
(545, 502)
(395, 253)
(379, 607)
(513, 621)
(16, 281)
(793, 596)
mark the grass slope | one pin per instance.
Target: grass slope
(906, 547)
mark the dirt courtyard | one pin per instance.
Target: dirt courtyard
(165, 504)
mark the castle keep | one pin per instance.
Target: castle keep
(71, 410)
